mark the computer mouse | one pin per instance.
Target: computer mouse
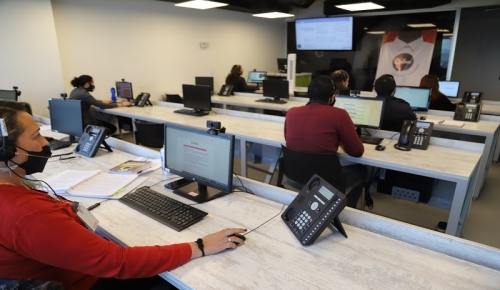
(380, 147)
(422, 118)
(268, 99)
(238, 236)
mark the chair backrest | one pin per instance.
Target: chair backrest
(149, 134)
(174, 99)
(300, 166)
(15, 284)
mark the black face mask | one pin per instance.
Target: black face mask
(36, 160)
(90, 88)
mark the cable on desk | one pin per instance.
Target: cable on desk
(242, 185)
(283, 207)
(149, 186)
(392, 139)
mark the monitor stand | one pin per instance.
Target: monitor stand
(198, 192)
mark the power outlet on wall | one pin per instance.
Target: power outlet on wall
(204, 45)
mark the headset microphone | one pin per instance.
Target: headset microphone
(27, 154)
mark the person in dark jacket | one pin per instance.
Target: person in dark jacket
(235, 79)
(395, 110)
(83, 85)
(438, 100)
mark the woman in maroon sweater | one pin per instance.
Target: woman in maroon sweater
(42, 238)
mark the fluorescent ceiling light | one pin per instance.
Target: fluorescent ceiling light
(200, 4)
(360, 6)
(375, 32)
(273, 15)
(420, 25)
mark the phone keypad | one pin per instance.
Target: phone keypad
(301, 222)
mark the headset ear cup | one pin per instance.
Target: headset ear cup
(7, 152)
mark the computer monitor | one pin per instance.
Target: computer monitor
(418, 98)
(257, 76)
(205, 81)
(277, 89)
(364, 112)
(8, 95)
(449, 88)
(202, 157)
(282, 64)
(124, 90)
(199, 98)
(66, 117)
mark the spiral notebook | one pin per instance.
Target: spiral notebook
(93, 183)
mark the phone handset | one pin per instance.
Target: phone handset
(404, 137)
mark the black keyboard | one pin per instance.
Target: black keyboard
(58, 144)
(272, 101)
(168, 211)
(370, 139)
(192, 112)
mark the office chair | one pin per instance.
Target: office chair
(149, 134)
(174, 99)
(14, 284)
(298, 167)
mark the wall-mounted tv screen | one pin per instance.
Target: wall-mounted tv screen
(331, 33)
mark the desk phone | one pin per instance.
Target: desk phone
(467, 112)
(414, 134)
(142, 100)
(472, 97)
(91, 140)
(315, 207)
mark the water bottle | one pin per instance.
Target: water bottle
(113, 95)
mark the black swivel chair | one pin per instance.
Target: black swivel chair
(149, 134)
(174, 99)
(298, 167)
(18, 284)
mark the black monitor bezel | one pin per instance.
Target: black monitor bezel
(131, 90)
(418, 88)
(282, 64)
(14, 92)
(228, 188)
(451, 81)
(368, 99)
(203, 91)
(267, 84)
(74, 116)
(210, 82)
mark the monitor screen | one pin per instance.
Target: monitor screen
(66, 116)
(449, 88)
(257, 76)
(124, 90)
(197, 97)
(277, 89)
(202, 157)
(8, 95)
(364, 112)
(332, 33)
(418, 98)
(282, 64)
(205, 81)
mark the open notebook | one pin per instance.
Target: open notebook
(93, 183)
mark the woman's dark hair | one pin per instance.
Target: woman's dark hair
(81, 81)
(430, 81)
(20, 106)
(14, 128)
(234, 75)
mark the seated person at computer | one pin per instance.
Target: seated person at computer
(42, 238)
(341, 80)
(83, 85)
(395, 110)
(438, 100)
(318, 127)
(238, 82)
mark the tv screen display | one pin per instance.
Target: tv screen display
(333, 33)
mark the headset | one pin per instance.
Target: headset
(7, 151)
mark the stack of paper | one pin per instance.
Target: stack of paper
(89, 183)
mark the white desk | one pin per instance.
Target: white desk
(445, 163)
(379, 253)
(250, 102)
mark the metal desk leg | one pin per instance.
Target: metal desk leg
(243, 158)
(462, 199)
(484, 164)
(272, 168)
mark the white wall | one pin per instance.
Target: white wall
(155, 45)
(29, 55)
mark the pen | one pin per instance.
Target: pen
(94, 206)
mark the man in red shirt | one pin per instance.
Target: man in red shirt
(318, 127)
